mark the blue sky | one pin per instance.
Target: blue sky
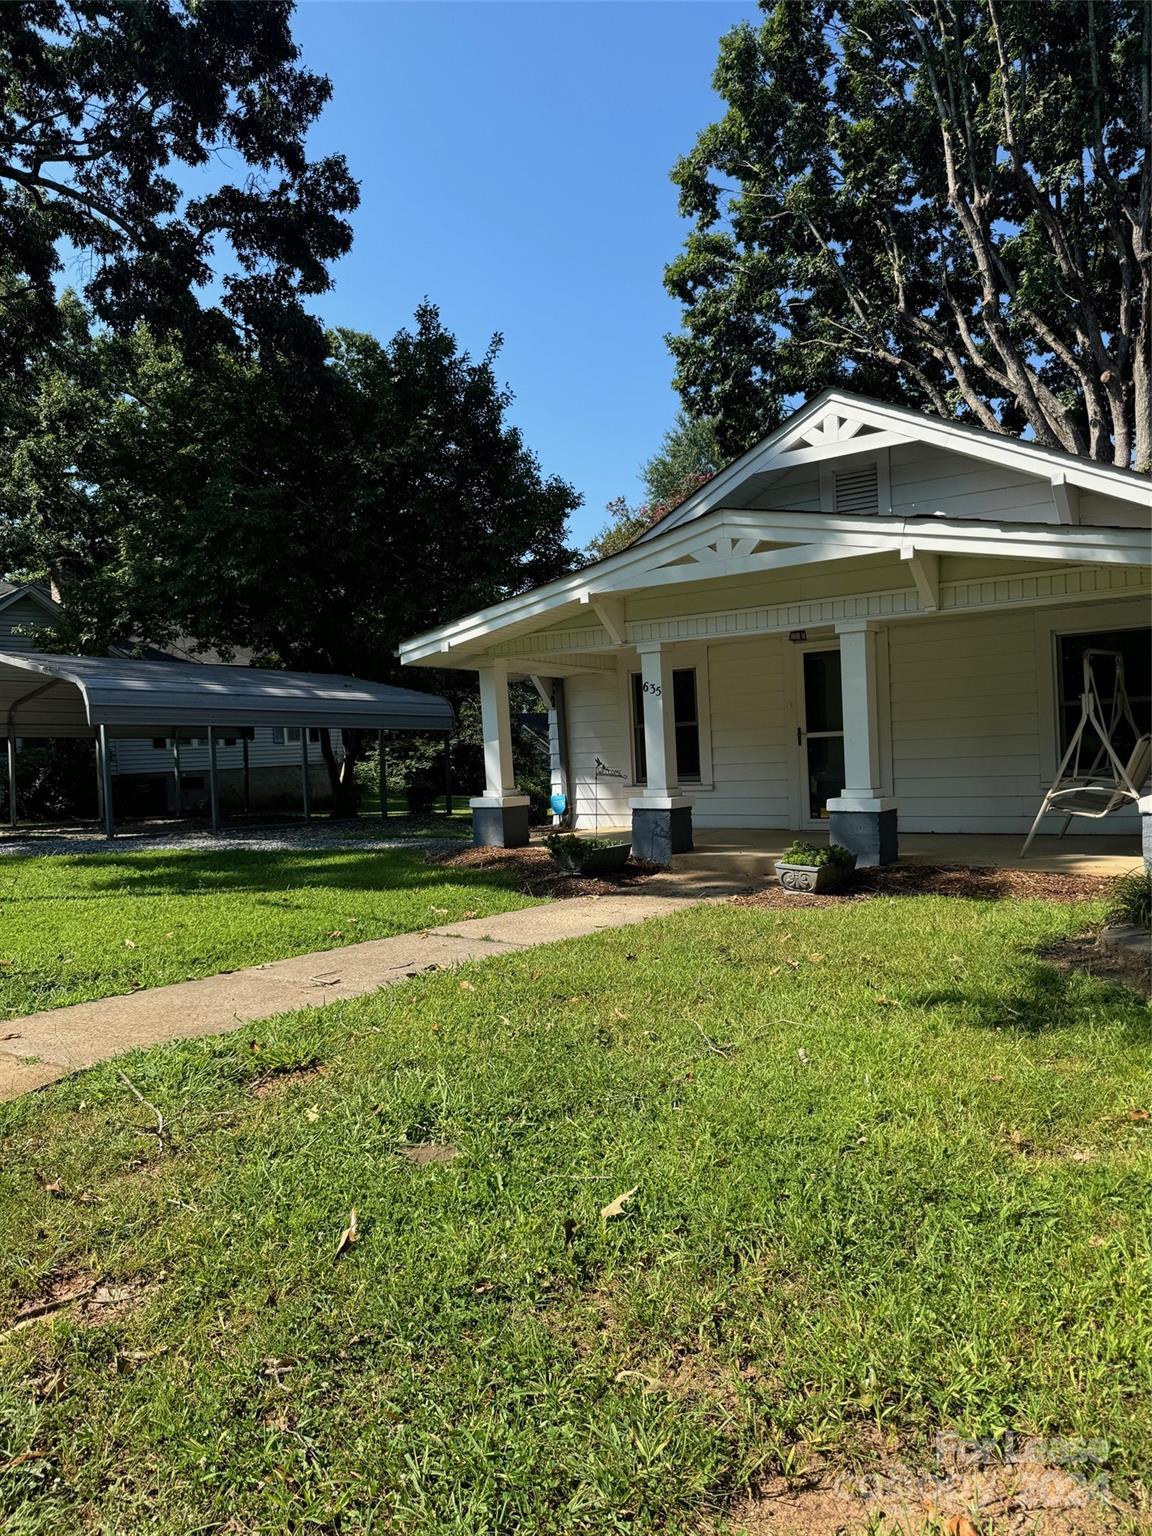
(513, 157)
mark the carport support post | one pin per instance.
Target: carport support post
(499, 815)
(383, 766)
(104, 778)
(247, 769)
(305, 787)
(661, 816)
(11, 779)
(178, 799)
(861, 818)
(213, 783)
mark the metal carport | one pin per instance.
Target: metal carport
(112, 696)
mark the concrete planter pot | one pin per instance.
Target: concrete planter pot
(597, 861)
(812, 878)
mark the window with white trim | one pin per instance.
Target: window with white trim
(686, 714)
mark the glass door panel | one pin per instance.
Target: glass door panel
(823, 730)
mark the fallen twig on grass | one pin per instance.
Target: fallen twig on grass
(156, 1130)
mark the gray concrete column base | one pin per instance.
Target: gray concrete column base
(658, 834)
(870, 835)
(500, 826)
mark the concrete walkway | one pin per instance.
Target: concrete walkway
(45, 1047)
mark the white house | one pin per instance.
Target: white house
(874, 618)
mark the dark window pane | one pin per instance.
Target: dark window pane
(684, 696)
(823, 704)
(639, 756)
(825, 772)
(1134, 648)
(688, 753)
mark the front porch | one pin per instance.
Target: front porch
(751, 852)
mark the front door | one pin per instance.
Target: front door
(820, 733)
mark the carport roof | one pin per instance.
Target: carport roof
(45, 695)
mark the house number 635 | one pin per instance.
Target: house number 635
(653, 688)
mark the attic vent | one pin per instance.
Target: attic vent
(858, 490)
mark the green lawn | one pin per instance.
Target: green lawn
(889, 1181)
(73, 928)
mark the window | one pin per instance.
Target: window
(282, 734)
(1134, 647)
(686, 714)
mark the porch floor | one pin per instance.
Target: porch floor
(752, 851)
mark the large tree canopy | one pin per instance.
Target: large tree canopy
(940, 202)
(311, 515)
(114, 121)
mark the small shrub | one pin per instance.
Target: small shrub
(1131, 900)
(567, 848)
(808, 853)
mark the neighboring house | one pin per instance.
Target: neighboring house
(266, 771)
(874, 617)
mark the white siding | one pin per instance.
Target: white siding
(25, 613)
(970, 724)
(597, 727)
(140, 756)
(751, 728)
(971, 712)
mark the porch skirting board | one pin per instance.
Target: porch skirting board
(870, 835)
(496, 825)
(658, 834)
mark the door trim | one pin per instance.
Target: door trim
(803, 819)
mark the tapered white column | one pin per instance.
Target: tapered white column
(659, 723)
(661, 816)
(862, 818)
(499, 815)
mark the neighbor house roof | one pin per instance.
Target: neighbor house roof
(45, 695)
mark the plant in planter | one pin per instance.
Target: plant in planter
(804, 867)
(587, 855)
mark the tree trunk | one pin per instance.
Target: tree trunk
(342, 772)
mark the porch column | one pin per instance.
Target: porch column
(1145, 805)
(661, 816)
(499, 815)
(861, 819)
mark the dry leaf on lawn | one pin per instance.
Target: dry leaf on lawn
(348, 1236)
(312, 1113)
(616, 1207)
(467, 986)
(1139, 1116)
(960, 1525)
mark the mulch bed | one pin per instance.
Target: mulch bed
(537, 873)
(980, 884)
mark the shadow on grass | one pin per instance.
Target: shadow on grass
(1043, 1001)
(255, 871)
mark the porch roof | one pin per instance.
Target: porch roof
(46, 695)
(717, 533)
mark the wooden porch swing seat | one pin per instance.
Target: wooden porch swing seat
(1108, 783)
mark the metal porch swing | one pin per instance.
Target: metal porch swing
(1107, 783)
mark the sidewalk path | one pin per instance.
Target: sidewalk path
(49, 1046)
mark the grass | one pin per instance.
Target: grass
(888, 1180)
(74, 928)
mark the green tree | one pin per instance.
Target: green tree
(104, 103)
(939, 202)
(308, 516)
(688, 455)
